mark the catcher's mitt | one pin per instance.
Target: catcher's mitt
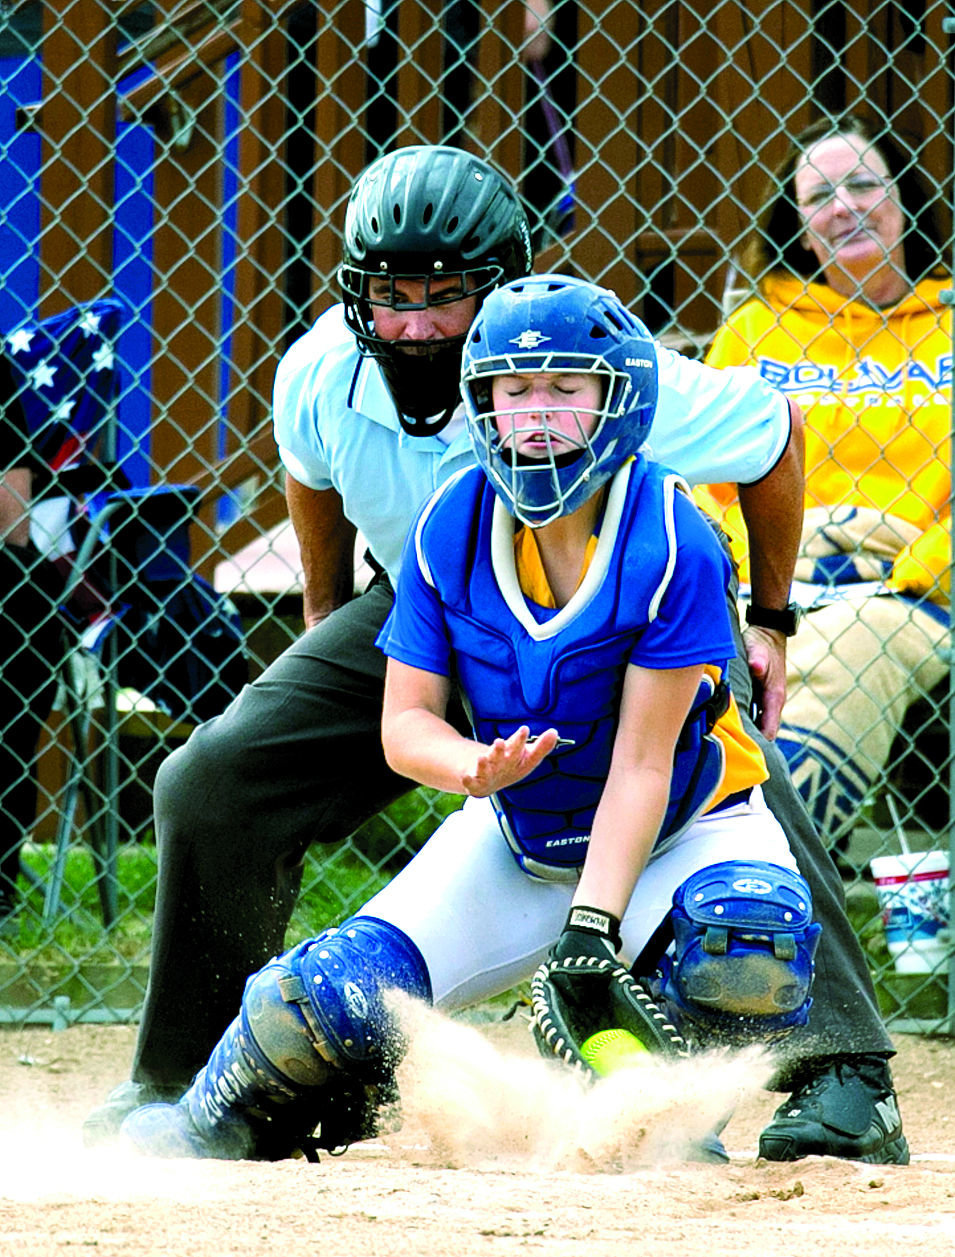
(575, 996)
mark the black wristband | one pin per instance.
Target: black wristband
(597, 922)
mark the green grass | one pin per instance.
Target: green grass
(336, 881)
(77, 929)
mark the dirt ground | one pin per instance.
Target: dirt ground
(500, 1156)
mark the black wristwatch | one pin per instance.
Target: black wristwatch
(785, 621)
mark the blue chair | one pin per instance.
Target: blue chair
(136, 615)
(162, 634)
(68, 382)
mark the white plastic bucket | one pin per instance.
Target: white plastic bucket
(913, 894)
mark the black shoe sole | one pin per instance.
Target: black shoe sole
(791, 1148)
(894, 1153)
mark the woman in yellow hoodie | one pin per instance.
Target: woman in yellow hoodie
(846, 259)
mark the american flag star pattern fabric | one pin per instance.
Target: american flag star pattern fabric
(67, 373)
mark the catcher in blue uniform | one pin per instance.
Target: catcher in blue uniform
(615, 831)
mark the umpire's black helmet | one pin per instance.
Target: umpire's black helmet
(423, 213)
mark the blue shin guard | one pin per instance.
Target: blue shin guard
(742, 964)
(308, 1061)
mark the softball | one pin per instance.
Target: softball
(609, 1050)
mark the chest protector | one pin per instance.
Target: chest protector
(566, 671)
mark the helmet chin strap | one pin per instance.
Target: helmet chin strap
(557, 460)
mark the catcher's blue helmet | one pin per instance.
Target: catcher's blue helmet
(556, 323)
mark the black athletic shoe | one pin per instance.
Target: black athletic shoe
(848, 1109)
(102, 1125)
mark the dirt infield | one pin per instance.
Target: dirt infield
(500, 1158)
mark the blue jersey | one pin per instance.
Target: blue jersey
(654, 595)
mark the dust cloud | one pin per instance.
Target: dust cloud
(476, 1102)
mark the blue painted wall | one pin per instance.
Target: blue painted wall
(133, 223)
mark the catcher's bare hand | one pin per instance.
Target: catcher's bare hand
(508, 760)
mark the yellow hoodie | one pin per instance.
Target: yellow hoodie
(875, 388)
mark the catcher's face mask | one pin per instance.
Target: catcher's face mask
(582, 335)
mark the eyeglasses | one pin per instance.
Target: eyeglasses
(859, 187)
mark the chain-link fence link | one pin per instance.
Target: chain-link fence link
(174, 185)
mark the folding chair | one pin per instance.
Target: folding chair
(124, 557)
(135, 553)
(68, 382)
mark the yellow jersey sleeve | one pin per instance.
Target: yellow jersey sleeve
(745, 762)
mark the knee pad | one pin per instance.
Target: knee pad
(339, 984)
(267, 1057)
(273, 1031)
(744, 942)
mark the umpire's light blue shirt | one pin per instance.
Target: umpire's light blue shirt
(337, 428)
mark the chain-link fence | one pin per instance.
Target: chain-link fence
(174, 184)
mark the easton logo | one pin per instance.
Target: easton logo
(355, 1000)
(529, 339)
(752, 886)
